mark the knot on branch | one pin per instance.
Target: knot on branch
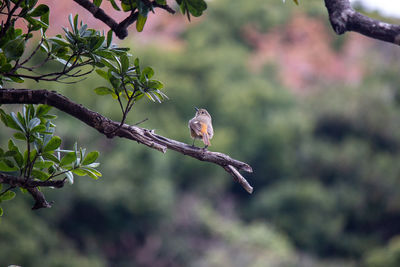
(339, 20)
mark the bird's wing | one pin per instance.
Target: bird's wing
(210, 131)
(196, 126)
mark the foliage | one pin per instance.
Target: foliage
(80, 51)
(42, 159)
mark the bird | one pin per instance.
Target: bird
(201, 127)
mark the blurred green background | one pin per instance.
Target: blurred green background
(317, 116)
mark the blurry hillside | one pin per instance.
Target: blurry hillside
(316, 115)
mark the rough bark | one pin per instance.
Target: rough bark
(344, 18)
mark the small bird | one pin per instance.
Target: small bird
(201, 127)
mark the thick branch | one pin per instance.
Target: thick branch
(344, 18)
(31, 186)
(120, 29)
(106, 126)
(99, 13)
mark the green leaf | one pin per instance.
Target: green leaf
(15, 48)
(5, 166)
(36, 24)
(10, 153)
(128, 6)
(76, 23)
(68, 159)
(53, 144)
(49, 117)
(51, 157)
(9, 122)
(40, 128)
(124, 63)
(59, 41)
(45, 164)
(92, 173)
(90, 157)
(102, 90)
(141, 20)
(7, 196)
(40, 175)
(1, 211)
(97, 2)
(155, 84)
(114, 5)
(32, 155)
(17, 122)
(17, 79)
(196, 7)
(42, 110)
(148, 72)
(19, 136)
(39, 11)
(102, 73)
(79, 172)
(33, 123)
(11, 145)
(109, 37)
(93, 165)
(297, 2)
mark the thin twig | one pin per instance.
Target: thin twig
(140, 122)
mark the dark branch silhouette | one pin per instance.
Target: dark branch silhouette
(344, 18)
(31, 186)
(120, 29)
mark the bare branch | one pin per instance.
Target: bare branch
(239, 178)
(344, 18)
(138, 134)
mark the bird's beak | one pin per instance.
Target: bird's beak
(196, 108)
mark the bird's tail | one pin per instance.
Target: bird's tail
(206, 139)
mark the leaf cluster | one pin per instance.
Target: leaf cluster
(42, 158)
(143, 7)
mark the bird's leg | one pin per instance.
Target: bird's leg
(194, 139)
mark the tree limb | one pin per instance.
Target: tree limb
(344, 18)
(120, 29)
(138, 134)
(31, 186)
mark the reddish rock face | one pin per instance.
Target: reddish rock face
(305, 55)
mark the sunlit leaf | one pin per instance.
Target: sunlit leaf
(68, 159)
(40, 175)
(90, 157)
(7, 196)
(53, 144)
(140, 22)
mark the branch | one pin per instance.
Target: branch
(140, 135)
(344, 18)
(120, 29)
(99, 13)
(31, 186)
